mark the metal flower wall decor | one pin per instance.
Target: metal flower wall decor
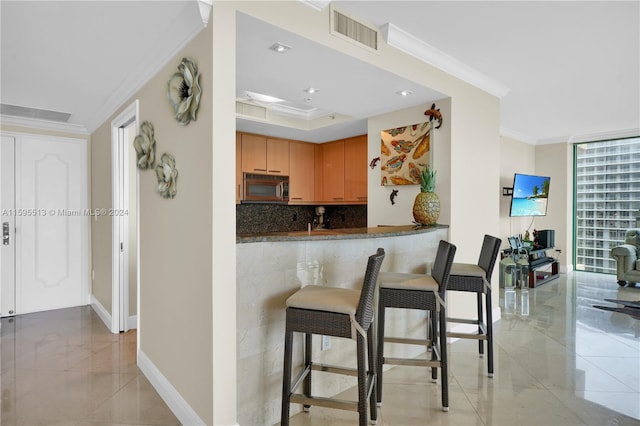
(183, 90)
(145, 146)
(167, 175)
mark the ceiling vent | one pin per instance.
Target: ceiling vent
(248, 110)
(39, 114)
(350, 29)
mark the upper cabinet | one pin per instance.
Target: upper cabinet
(264, 155)
(301, 172)
(278, 157)
(355, 169)
(344, 171)
(333, 171)
(328, 173)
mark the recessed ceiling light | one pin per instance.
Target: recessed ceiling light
(311, 90)
(280, 48)
(405, 93)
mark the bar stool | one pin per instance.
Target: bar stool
(477, 279)
(335, 312)
(424, 292)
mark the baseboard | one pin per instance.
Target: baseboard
(176, 403)
(132, 322)
(104, 315)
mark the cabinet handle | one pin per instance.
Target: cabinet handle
(260, 170)
(296, 198)
(361, 198)
(342, 198)
(274, 171)
(239, 190)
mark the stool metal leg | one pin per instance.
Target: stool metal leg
(443, 360)
(308, 343)
(380, 356)
(362, 381)
(371, 352)
(433, 331)
(286, 382)
(480, 320)
(489, 332)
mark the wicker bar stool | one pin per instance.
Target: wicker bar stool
(477, 279)
(335, 312)
(424, 292)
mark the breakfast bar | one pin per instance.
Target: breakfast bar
(272, 266)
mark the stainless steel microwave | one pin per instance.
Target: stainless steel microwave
(266, 189)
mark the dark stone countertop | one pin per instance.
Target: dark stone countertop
(338, 234)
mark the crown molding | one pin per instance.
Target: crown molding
(51, 126)
(410, 44)
(316, 4)
(602, 136)
(147, 69)
(205, 10)
(521, 137)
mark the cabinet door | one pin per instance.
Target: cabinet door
(333, 171)
(301, 172)
(254, 154)
(278, 157)
(355, 169)
(239, 191)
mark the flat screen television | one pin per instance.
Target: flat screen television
(530, 195)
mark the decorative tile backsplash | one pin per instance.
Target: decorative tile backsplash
(261, 218)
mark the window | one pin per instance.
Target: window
(607, 200)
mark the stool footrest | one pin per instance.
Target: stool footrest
(300, 378)
(467, 335)
(413, 362)
(419, 342)
(335, 369)
(462, 320)
(324, 402)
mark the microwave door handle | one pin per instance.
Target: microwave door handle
(280, 190)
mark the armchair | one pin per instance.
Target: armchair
(627, 258)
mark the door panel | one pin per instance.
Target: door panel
(7, 209)
(51, 246)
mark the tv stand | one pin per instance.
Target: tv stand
(538, 260)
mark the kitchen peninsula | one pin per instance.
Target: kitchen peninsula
(272, 266)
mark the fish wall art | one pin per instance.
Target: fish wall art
(405, 152)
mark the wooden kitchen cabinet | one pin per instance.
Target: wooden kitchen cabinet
(239, 183)
(333, 171)
(301, 172)
(278, 157)
(355, 169)
(264, 155)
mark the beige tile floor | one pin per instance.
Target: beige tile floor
(64, 367)
(559, 361)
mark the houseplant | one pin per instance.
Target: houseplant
(426, 206)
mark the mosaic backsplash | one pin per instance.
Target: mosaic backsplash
(260, 218)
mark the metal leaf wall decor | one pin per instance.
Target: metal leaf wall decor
(184, 92)
(145, 145)
(167, 175)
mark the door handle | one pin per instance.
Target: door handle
(5, 233)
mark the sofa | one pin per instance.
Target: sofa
(627, 258)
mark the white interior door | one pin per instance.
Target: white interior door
(51, 223)
(7, 209)
(125, 224)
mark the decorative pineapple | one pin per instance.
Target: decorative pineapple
(426, 207)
